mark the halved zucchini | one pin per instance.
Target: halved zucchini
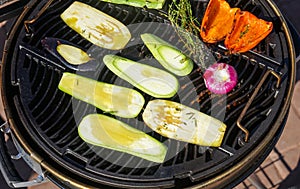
(151, 80)
(96, 26)
(167, 55)
(151, 4)
(110, 133)
(176, 121)
(116, 100)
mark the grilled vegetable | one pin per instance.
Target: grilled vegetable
(167, 55)
(116, 100)
(65, 51)
(218, 21)
(110, 133)
(69, 54)
(151, 4)
(248, 31)
(96, 26)
(220, 78)
(176, 121)
(241, 29)
(153, 81)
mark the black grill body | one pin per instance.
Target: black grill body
(45, 119)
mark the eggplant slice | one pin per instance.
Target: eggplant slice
(69, 54)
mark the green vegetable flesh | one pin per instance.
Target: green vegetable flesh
(167, 55)
(96, 26)
(116, 100)
(152, 81)
(176, 121)
(151, 4)
(110, 133)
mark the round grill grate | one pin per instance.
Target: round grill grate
(47, 118)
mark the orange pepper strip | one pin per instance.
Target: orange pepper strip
(248, 31)
(218, 21)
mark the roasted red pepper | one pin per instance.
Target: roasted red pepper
(241, 29)
(218, 21)
(248, 31)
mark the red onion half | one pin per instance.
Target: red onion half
(220, 78)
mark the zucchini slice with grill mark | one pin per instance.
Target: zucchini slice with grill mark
(179, 122)
(167, 55)
(95, 26)
(104, 131)
(151, 80)
(116, 100)
(151, 4)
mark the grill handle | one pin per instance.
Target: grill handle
(10, 174)
(28, 22)
(7, 168)
(248, 104)
(11, 8)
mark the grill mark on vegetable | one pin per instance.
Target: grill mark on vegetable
(191, 114)
(245, 31)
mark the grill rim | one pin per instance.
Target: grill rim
(218, 181)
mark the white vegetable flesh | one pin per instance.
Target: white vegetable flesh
(176, 121)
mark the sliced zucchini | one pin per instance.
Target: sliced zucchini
(176, 121)
(104, 131)
(153, 81)
(116, 100)
(167, 55)
(96, 26)
(151, 4)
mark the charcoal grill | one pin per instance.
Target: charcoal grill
(43, 120)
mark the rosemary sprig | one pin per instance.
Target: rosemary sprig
(188, 29)
(180, 14)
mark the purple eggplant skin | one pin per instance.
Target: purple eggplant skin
(50, 45)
